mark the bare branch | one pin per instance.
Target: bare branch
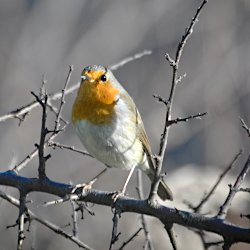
(33, 154)
(46, 223)
(224, 208)
(19, 112)
(207, 245)
(22, 210)
(57, 121)
(244, 125)
(180, 78)
(215, 243)
(55, 111)
(170, 232)
(144, 223)
(185, 119)
(130, 239)
(170, 60)
(61, 200)
(74, 192)
(130, 59)
(205, 199)
(174, 63)
(115, 235)
(74, 219)
(244, 190)
(201, 234)
(90, 183)
(42, 100)
(44, 132)
(161, 99)
(71, 148)
(126, 204)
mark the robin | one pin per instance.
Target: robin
(110, 127)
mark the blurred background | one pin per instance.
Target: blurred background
(44, 37)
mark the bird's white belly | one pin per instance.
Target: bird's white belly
(115, 144)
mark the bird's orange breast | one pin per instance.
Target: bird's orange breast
(95, 102)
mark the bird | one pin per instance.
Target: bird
(110, 127)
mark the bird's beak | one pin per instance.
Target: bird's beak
(86, 77)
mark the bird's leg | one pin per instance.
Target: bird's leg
(127, 180)
(89, 184)
(122, 192)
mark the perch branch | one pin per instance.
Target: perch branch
(126, 204)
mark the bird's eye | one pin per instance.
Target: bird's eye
(103, 78)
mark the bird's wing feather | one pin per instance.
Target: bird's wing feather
(136, 117)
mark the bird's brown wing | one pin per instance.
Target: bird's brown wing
(136, 117)
(142, 133)
(163, 191)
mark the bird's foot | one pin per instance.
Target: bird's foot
(116, 195)
(81, 187)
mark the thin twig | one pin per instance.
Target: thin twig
(180, 78)
(30, 106)
(71, 148)
(19, 111)
(22, 210)
(161, 99)
(82, 207)
(43, 102)
(244, 190)
(74, 195)
(175, 66)
(214, 243)
(115, 235)
(57, 121)
(90, 183)
(44, 132)
(130, 59)
(170, 232)
(185, 119)
(209, 194)
(61, 200)
(46, 223)
(74, 219)
(32, 154)
(201, 234)
(130, 239)
(148, 240)
(206, 245)
(226, 205)
(244, 125)
(55, 111)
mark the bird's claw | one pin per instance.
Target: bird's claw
(82, 186)
(116, 195)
